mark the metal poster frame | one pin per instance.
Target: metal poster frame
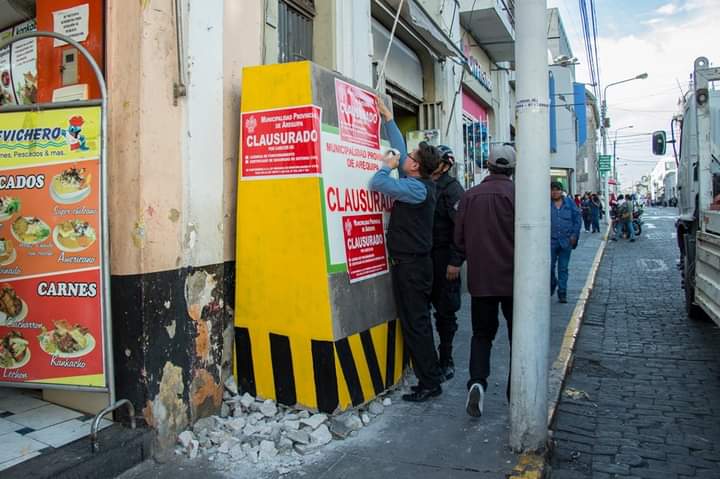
(105, 304)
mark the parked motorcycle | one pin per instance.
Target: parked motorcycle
(637, 223)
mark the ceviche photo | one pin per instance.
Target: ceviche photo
(8, 255)
(71, 186)
(8, 207)
(14, 352)
(66, 340)
(30, 230)
(12, 308)
(74, 235)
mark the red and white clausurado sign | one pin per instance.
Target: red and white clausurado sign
(358, 115)
(364, 246)
(281, 143)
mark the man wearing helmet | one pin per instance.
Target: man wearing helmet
(445, 292)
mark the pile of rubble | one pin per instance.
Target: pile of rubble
(264, 432)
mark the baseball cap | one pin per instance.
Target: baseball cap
(502, 156)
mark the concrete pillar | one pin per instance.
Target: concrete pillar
(172, 171)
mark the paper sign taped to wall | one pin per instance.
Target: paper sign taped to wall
(73, 22)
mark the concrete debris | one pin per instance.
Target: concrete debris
(231, 385)
(291, 425)
(203, 425)
(298, 437)
(246, 401)
(376, 408)
(268, 408)
(321, 435)
(339, 429)
(354, 423)
(263, 432)
(193, 449)
(267, 450)
(185, 438)
(314, 421)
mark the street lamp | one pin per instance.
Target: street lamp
(614, 161)
(605, 124)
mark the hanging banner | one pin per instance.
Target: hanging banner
(51, 315)
(281, 143)
(358, 115)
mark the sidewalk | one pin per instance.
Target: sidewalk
(433, 439)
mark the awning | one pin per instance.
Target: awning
(413, 13)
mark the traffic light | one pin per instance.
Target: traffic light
(659, 143)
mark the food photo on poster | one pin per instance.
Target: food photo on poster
(51, 323)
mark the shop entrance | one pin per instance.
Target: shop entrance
(55, 348)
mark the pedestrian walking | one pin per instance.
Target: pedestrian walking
(623, 218)
(445, 292)
(578, 201)
(409, 242)
(596, 211)
(565, 233)
(585, 208)
(485, 237)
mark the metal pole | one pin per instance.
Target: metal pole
(531, 329)
(604, 175)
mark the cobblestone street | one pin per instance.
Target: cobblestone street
(642, 398)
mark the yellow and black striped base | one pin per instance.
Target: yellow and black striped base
(346, 372)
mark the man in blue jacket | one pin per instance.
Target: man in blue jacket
(565, 221)
(409, 242)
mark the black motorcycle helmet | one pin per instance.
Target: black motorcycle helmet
(446, 155)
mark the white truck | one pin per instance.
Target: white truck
(698, 224)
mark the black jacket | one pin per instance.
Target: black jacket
(449, 192)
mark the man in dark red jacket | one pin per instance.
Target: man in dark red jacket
(485, 236)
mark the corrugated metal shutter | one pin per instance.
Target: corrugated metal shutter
(295, 29)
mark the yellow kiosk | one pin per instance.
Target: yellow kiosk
(315, 319)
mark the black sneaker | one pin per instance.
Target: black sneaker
(447, 367)
(475, 399)
(562, 298)
(423, 394)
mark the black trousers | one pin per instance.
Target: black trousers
(445, 298)
(485, 323)
(412, 283)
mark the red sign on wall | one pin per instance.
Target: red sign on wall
(364, 246)
(358, 115)
(281, 143)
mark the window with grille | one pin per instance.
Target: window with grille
(295, 27)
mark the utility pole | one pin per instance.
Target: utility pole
(603, 130)
(531, 318)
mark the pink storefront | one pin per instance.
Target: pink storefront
(475, 136)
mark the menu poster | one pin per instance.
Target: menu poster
(51, 321)
(7, 96)
(24, 65)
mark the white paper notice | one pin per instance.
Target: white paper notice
(73, 22)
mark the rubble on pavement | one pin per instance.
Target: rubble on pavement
(263, 432)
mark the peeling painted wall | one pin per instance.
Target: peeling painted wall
(172, 202)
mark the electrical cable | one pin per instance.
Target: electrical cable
(381, 76)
